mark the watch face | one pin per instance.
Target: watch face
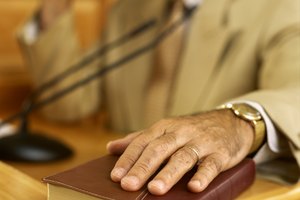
(247, 112)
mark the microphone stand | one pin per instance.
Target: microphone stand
(83, 63)
(25, 146)
(31, 147)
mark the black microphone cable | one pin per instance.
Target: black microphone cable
(83, 63)
(99, 73)
(93, 56)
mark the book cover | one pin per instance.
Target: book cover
(92, 181)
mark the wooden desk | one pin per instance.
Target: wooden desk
(88, 138)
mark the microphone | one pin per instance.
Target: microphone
(95, 55)
(35, 147)
(39, 148)
(83, 63)
(27, 146)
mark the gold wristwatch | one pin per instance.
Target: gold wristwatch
(250, 114)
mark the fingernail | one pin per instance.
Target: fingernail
(118, 173)
(131, 181)
(195, 186)
(157, 185)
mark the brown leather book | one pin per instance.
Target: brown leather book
(91, 181)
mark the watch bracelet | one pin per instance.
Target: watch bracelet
(260, 132)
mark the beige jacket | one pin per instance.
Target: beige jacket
(235, 50)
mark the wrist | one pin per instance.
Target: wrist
(249, 118)
(243, 130)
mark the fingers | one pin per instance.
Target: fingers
(153, 156)
(214, 141)
(145, 154)
(132, 153)
(209, 168)
(135, 146)
(129, 157)
(117, 147)
(179, 164)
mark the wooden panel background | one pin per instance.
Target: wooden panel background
(14, 79)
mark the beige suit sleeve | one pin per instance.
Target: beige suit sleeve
(279, 80)
(53, 52)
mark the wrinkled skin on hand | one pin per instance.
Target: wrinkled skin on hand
(220, 140)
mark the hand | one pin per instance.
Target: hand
(51, 9)
(216, 140)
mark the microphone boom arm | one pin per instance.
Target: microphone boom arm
(98, 73)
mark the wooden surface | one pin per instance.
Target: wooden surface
(88, 138)
(15, 185)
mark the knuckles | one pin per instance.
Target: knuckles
(143, 168)
(155, 150)
(128, 159)
(213, 165)
(184, 158)
(166, 136)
